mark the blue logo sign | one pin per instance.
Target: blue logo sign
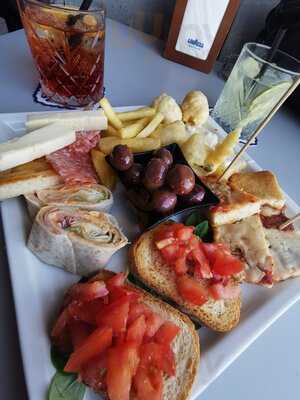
(195, 43)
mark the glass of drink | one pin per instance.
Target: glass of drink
(67, 45)
(254, 87)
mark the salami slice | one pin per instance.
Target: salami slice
(73, 163)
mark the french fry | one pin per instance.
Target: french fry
(107, 144)
(136, 114)
(104, 171)
(132, 130)
(150, 128)
(111, 131)
(110, 113)
(142, 145)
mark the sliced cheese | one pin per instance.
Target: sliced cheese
(285, 250)
(246, 238)
(34, 145)
(79, 120)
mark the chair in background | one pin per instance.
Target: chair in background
(9, 11)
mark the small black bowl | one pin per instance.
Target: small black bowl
(150, 218)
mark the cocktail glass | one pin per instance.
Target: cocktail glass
(254, 87)
(67, 45)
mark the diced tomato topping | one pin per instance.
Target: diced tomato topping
(202, 268)
(118, 291)
(166, 333)
(171, 252)
(119, 339)
(61, 323)
(93, 373)
(194, 262)
(212, 249)
(115, 315)
(180, 266)
(191, 290)
(116, 281)
(95, 344)
(120, 345)
(226, 264)
(77, 311)
(167, 231)
(79, 331)
(86, 312)
(163, 233)
(148, 383)
(85, 292)
(193, 243)
(158, 356)
(169, 364)
(164, 243)
(136, 330)
(122, 364)
(136, 310)
(219, 291)
(153, 323)
(185, 233)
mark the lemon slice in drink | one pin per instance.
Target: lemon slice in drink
(269, 96)
(263, 103)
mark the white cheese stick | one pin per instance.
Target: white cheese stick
(34, 145)
(79, 120)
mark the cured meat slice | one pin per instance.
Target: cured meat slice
(73, 163)
(274, 222)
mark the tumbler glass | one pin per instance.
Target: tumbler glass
(254, 87)
(67, 45)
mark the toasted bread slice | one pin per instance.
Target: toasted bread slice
(27, 178)
(186, 346)
(285, 250)
(149, 267)
(246, 239)
(234, 204)
(264, 186)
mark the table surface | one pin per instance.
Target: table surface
(135, 73)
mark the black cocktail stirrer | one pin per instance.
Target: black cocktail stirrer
(85, 5)
(275, 45)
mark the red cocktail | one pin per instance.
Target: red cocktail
(68, 48)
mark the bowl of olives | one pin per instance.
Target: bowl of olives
(160, 183)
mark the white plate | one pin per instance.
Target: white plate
(38, 291)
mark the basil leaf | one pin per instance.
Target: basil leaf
(58, 359)
(65, 387)
(193, 219)
(201, 229)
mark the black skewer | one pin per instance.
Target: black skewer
(85, 5)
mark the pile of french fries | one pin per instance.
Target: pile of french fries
(145, 129)
(132, 128)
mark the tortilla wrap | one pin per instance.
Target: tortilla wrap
(88, 197)
(79, 241)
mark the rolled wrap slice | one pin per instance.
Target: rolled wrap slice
(79, 241)
(88, 197)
